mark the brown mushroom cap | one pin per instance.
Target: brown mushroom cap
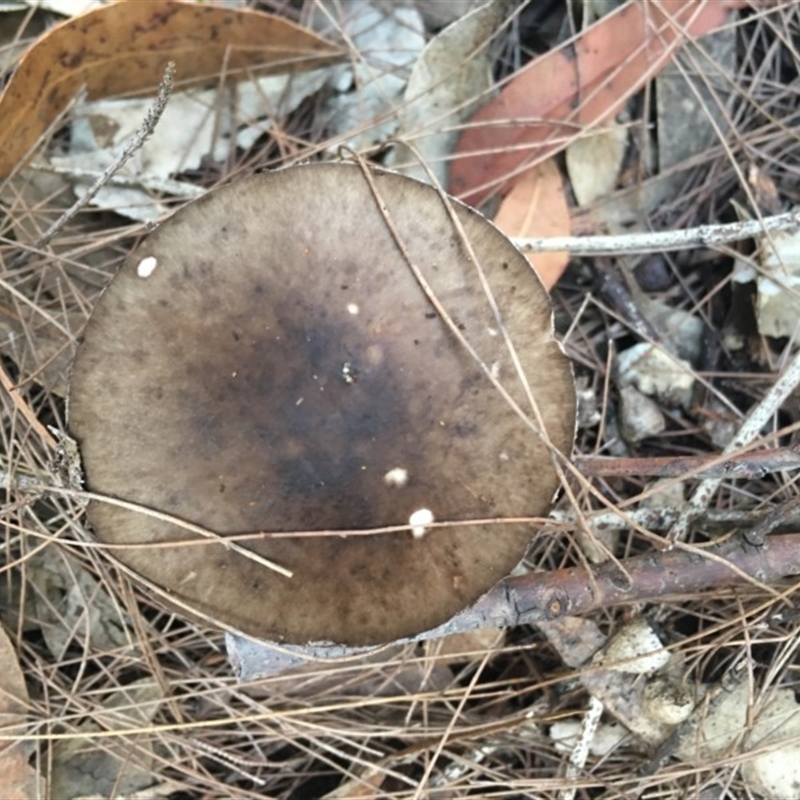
(267, 361)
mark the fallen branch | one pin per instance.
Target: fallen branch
(654, 576)
(547, 596)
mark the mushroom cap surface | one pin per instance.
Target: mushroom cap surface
(267, 361)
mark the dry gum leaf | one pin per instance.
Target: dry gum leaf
(452, 71)
(17, 778)
(124, 48)
(584, 82)
(116, 766)
(537, 207)
(594, 162)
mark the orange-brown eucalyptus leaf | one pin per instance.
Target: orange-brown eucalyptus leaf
(123, 48)
(537, 207)
(584, 82)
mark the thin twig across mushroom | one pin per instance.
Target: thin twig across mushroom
(268, 360)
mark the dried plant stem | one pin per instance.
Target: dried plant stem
(704, 235)
(547, 596)
(133, 144)
(22, 405)
(746, 465)
(662, 519)
(749, 431)
(580, 753)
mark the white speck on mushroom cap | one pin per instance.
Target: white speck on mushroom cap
(146, 266)
(396, 477)
(419, 521)
(352, 308)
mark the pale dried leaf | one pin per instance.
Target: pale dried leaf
(635, 649)
(691, 111)
(594, 162)
(196, 124)
(72, 604)
(656, 372)
(125, 49)
(777, 279)
(388, 42)
(446, 84)
(96, 764)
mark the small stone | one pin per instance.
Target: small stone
(640, 417)
(635, 650)
(657, 373)
(666, 701)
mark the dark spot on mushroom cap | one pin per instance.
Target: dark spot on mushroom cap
(169, 407)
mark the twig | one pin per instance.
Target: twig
(152, 182)
(612, 289)
(546, 596)
(131, 146)
(659, 520)
(704, 235)
(22, 405)
(580, 590)
(747, 465)
(749, 431)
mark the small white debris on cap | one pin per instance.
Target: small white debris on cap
(419, 521)
(146, 267)
(396, 477)
(352, 308)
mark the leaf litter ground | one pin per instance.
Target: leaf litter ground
(124, 699)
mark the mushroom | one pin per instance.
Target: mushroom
(267, 362)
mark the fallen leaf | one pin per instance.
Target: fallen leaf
(537, 207)
(765, 733)
(388, 40)
(17, 778)
(691, 116)
(125, 47)
(594, 162)
(583, 83)
(451, 72)
(115, 766)
(775, 267)
(71, 604)
(193, 127)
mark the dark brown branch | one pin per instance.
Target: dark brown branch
(546, 596)
(549, 595)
